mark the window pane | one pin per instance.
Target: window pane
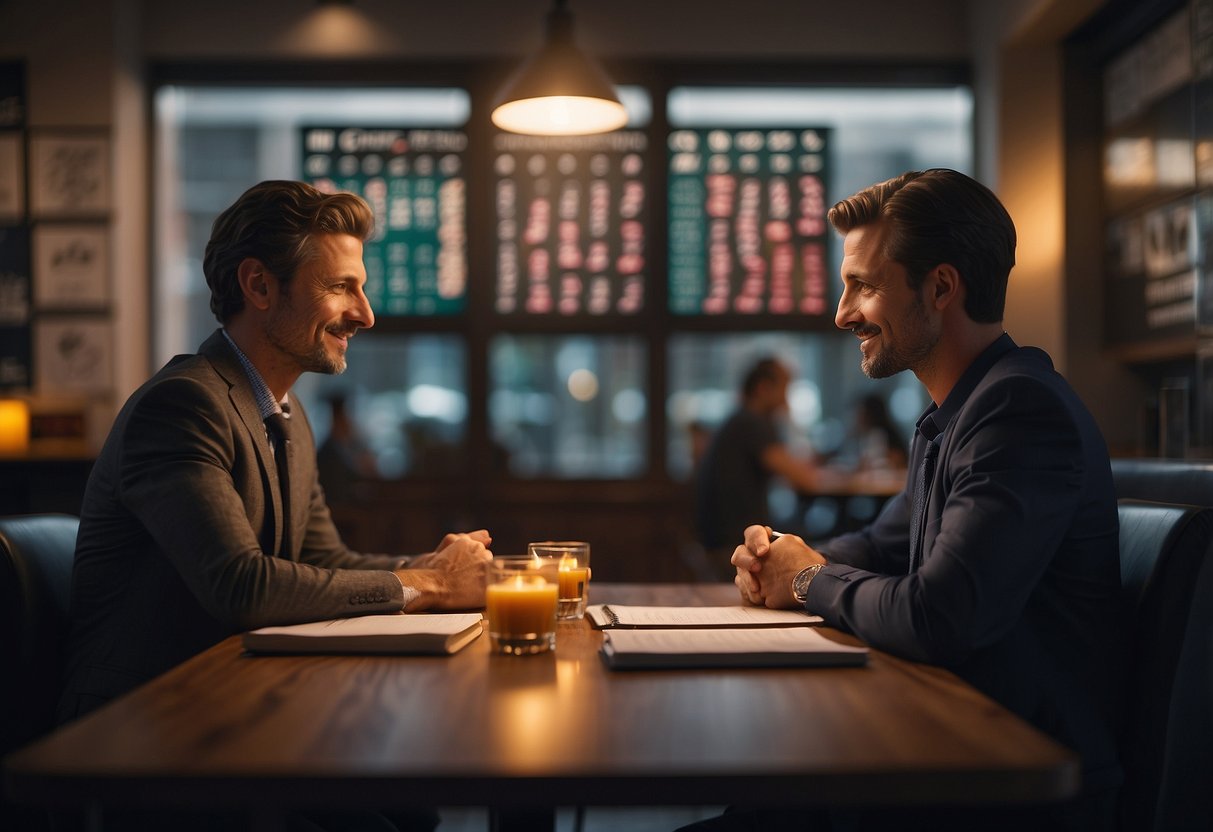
(569, 406)
(415, 182)
(406, 400)
(705, 375)
(747, 218)
(212, 143)
(873, 135)
(572, 220)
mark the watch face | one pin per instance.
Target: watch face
(800, 584)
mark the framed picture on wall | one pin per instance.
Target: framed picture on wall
(69, 174)
(12, 177)
(71, 267)
(73, 354)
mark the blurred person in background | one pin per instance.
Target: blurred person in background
(343, 459)
(742, 458)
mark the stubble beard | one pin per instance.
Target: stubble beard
(920, 340)
(312, 359)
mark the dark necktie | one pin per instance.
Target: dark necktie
(279, 425)
(922, 489)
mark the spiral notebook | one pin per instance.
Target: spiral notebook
(618, 616)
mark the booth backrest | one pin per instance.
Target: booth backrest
(1189, 482)
(1163, 548)
(1185, 799)
(36, 553)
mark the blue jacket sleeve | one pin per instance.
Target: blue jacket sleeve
(1008, 482)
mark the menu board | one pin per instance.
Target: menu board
(571, 217)
(747, 221)
(414, 180)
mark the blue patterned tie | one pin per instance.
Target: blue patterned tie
(922, 489)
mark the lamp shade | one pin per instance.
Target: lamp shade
(559, 91)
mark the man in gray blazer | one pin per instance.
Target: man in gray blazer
(1000, 559)
(188, 533)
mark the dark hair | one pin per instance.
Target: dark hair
(274, 222)
(941, 216)
(765, 369)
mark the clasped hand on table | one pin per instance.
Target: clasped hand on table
(453, 576)
(765, 567)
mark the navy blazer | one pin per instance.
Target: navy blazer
(1018, 587)
(181, 520)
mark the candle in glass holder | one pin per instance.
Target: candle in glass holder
(572, 579)
(573, 557)
(520, 603)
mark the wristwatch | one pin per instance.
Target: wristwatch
(800, 583)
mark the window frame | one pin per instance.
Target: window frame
(480, 322)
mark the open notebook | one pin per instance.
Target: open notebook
(400, 633)
(617, 616)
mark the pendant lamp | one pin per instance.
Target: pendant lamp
(560, 91)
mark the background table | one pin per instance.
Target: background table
(227, 729)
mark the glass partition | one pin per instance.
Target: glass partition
(212, 143)
(401, 409)
(520, 284)
(569, 406)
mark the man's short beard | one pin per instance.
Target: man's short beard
(315, 360)
(320, 361)
(890, 362)
(882, 365)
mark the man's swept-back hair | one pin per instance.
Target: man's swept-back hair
(940, 216)
(274, 222)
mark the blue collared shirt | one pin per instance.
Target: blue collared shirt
(261, 391)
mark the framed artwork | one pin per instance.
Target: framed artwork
(69, 175)
(12, 177)
(71, 267)
(73, 354)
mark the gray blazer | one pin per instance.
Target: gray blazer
(181, 519)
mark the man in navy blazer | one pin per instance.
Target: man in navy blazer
(1000, 560)
(187, 534)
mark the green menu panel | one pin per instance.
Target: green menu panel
(747, 224)
(415, 181)
(571, 224)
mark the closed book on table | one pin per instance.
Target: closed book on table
(750, 647)
(434, 634)
(614, 616)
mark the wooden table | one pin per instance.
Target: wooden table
(230, 730)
